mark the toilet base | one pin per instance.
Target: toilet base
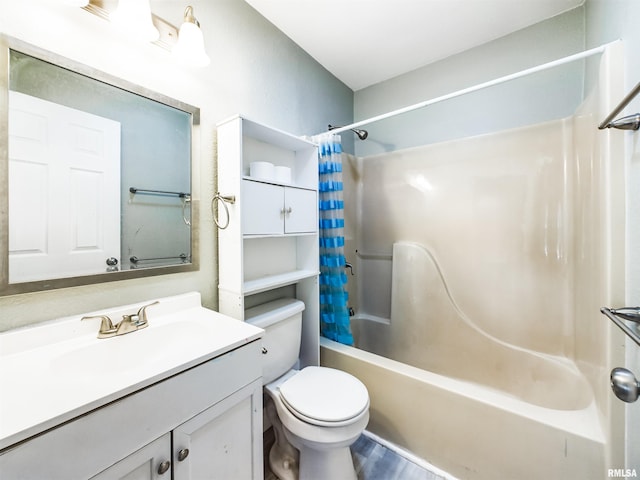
(283, 457)
(335, 463)
(290, 458)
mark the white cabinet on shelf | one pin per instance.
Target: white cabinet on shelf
(278, 210)
(270, 247)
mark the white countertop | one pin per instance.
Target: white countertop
(53, 372)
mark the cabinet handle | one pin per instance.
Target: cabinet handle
(289, 210)
(164, 467)
(182, 454)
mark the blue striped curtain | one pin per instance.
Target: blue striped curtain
(334, 312)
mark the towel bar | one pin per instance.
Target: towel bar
(626, 329)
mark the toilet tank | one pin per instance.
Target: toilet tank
(282, 323)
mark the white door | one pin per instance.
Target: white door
(64, 190)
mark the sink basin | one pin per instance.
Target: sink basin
(135, 351)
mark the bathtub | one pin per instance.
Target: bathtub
(472, 431)
(476, 302)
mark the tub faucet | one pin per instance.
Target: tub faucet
(350, 267)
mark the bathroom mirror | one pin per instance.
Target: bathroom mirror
(95, 176)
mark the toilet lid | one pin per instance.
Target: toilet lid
(325, 394)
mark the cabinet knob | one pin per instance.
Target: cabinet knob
(182, 454)
(164, 467)
(289, 210)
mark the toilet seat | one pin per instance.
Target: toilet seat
(325, 396)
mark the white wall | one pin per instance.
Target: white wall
(541, 97)
(255, 71)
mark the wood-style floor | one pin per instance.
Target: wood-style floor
(376, 462)
(372, 461)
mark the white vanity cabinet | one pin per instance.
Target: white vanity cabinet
(148, 463)
(270, 247)
(205, 422)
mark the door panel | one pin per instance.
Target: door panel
(301, 209)
(223, 442)
(262, 209)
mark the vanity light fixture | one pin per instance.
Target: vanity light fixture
(134, 16)
(187, 45)
(190, 47)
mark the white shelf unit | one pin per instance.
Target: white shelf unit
(270, 247)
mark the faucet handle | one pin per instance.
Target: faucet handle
(106, 325)
(142, 314)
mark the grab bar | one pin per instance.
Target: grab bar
(625, 313)
(135, 260)
(632, 122)
(135, 190)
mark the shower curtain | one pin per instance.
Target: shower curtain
(334, 312)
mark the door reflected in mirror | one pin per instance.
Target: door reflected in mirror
(98, 174)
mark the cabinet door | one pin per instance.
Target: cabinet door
(223, 442)
(262, 211)
(301, 210)
(148, 463)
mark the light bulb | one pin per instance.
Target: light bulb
(134, 17)
(190, 47)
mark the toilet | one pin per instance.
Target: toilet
(316, 412)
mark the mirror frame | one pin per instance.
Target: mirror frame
(7, 44)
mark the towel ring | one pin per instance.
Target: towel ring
(221, 199)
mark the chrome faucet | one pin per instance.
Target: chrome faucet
(128, 324)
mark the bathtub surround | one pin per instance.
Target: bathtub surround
(482, 263)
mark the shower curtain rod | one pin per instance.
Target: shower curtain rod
(480, 86)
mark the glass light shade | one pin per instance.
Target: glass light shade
(134, 17)
(190, 47)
